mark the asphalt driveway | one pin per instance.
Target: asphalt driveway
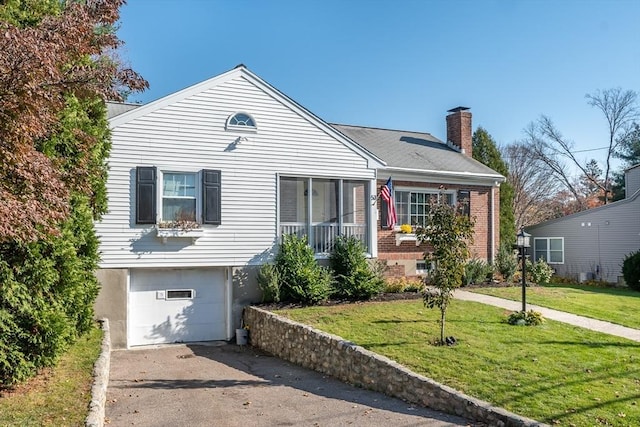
(221, 384)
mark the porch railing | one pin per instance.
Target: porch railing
(323, 235)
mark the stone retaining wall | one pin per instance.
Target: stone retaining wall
(332, 355)
(95, 417)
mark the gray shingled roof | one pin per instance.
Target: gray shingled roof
(117, 108)
(413, 150)
(399, 149)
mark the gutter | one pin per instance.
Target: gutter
(495, 177)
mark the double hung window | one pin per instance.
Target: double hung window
(178, 196)
(550, 249)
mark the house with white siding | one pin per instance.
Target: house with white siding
(592, 244)
(204, 182)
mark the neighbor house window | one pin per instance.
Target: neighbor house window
(412, 206)
(181, 196)
(549, 249)
(241, 121)
(323, 209)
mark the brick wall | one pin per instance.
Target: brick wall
(403, 257)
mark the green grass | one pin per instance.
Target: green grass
(620, 306)
(555, 373)
(56, 397)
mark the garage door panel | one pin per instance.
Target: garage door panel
(154, 319)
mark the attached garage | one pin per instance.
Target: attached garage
(177, 305)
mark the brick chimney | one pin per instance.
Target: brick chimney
(459, 129)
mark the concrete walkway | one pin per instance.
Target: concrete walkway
(548, 313)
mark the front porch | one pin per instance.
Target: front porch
(324, 208)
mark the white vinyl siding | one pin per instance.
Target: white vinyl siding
(549, 249)
(597, 240)
(190, 135)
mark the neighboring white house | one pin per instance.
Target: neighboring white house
(592, 243)
(247, 164)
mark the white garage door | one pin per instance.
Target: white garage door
(176, 305)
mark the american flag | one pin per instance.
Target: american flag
(386, 193)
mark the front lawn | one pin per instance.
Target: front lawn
(621, 306)
(59, 396)
(555, 373)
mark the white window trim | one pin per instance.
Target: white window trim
(198, 190)
(533, 255)
(241, 128)
(454, 193)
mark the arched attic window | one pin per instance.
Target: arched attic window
(241, 121)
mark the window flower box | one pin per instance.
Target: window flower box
(409, 237)
(179, 229)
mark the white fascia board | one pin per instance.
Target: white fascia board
(173, 98)
(469, 178)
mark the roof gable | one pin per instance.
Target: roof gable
(243, 72)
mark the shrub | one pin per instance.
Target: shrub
(301, 278)
(631, 270)
(395, 285)
(527, 318)
(414, 286)
(353, 277)
(402, 284)
(506, 262)
(269, 282)
(540, 271)
(476, 271)
(47, 289)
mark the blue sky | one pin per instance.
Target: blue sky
(401, 64)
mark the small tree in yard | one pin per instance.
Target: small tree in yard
(448, 234)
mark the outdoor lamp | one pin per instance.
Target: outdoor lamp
(522, 241)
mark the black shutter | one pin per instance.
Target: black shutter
(145, 195)
(211, 196)
(384, 212)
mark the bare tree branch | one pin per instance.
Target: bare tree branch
(620, 110)
(532, 185)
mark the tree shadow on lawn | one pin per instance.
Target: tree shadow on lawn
(596, 290)
(437, 321)
(548, 384)
(588, 344)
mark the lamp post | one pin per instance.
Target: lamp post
(522, 241)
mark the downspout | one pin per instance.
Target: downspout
(229, 302)
(373, 216)
(493, 224)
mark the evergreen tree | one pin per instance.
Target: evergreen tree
(55, 131)
(629, 151)
(486, 152)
